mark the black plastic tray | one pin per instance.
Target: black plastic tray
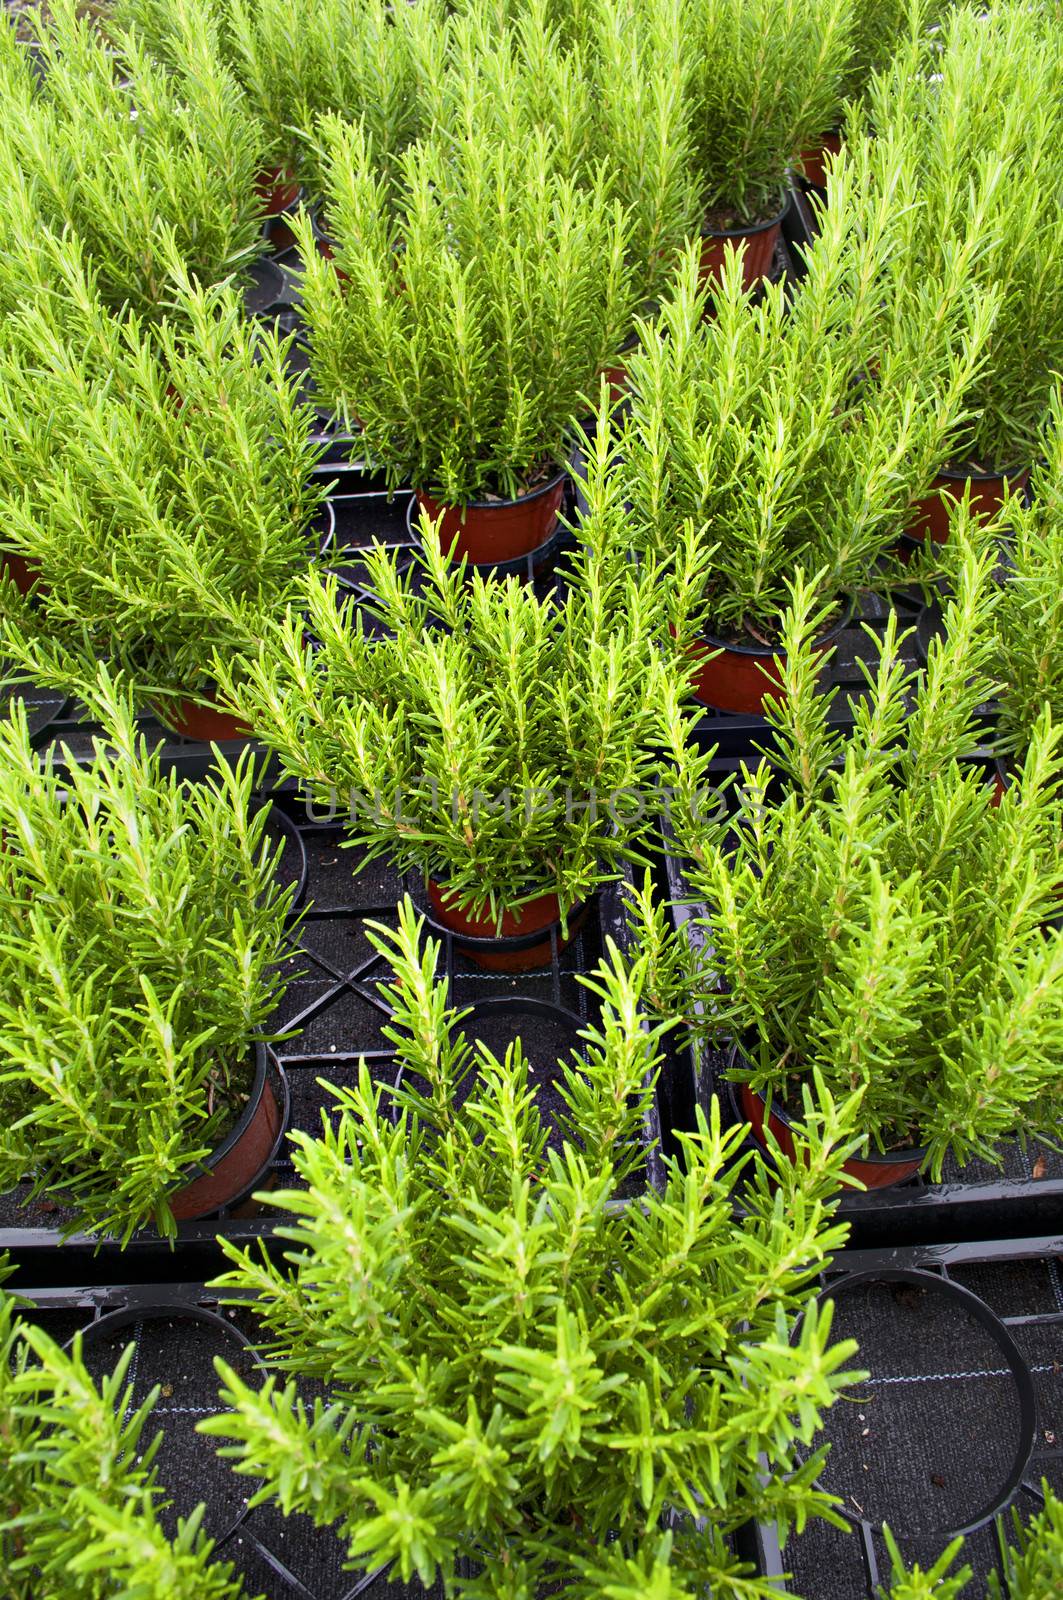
(961, 1418)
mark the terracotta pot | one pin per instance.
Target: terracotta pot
(536, 916)
(23, 573)
(759, 240)
(499, 530)
(207, 724)
(930, 514)
(235, 1168)
(814, 160)
(277, 189)
(742, 676)
(874, 1171)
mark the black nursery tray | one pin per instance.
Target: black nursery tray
(960, 1419)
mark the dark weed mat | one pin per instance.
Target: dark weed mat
(277, 1557)
(927, 1442)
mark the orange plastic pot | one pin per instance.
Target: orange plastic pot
(208, 724)
(488, 941)
(236, 1167)
(874, 1171)
(740, 677)
(498, 530)
(814, 160)
(277, 189)
(759, 250)
(24, 574)
(930, 514)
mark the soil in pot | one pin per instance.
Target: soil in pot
(722, 228)
(814, 160)
(496, 530)
(739, 676)
(930, 514)
(873, 1171)
(496, 948)
(242, 1158)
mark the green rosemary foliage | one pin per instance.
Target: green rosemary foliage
(1029, 615)
(296, 59)
(611, 99)
(127, 154)
(470, 320)
(879, 30)
(495, 741)
(981, 116)
(158, 481)
(79, 1492)
(764, 83)
(518, 1369)
(141, 926)
(796, 434)
(885, 922)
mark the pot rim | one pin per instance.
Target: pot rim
(883, 1158)
(495, 505)
(497, 941)
(200, 1169)
(769, 652)
(539, 556)
(953, 475)
(746, 233)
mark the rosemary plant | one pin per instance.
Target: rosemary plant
(610, 96)
(796, 434)
(158, 482)
(468, 322)
(520, 1372)
(885, 922)
(79, 1495)
(1029, 613)
(142, 927)
(128, 155)
(764, 82)
(980, 112)
(296, 59)
(499, 743)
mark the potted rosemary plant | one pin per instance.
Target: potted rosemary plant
(795, 434)
(878, 29)
(499, 744)
(473, 313)
(133, 157)
(763, 84)
(1029, 612)
(79, 1492)
(546, 1379)
(156, 490)
(943, 97)
(142, 930)
(884, 920)
(296, 59)
(610, 90)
